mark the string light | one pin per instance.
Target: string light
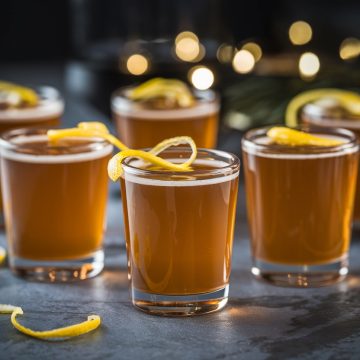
(137, 64)
(309, 65)
(188, 47)
(254, 49)
(225, 53)
(300, 33)
(243, 61)
(349, 48)
(201, 77)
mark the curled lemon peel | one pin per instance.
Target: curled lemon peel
(27, 95)
(160, 87)
(92, 323)
(87, 129)
(115, 169)
(347, 99)
(285, 136)
(2, 254)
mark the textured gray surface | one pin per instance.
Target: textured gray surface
(260, 322)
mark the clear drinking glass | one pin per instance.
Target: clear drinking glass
(300, 203)
(141, 126)
(54, 201)
(179, 232)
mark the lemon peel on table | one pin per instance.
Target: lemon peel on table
(92, 323)
(22, 93)
(347, 99)
(115, 169)
(89, 129)
(285, 136)
(2, 254)
(167, 88)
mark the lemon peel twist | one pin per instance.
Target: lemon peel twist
(285, 136)
(168, 88)
(27, 95)
(98, 129)
(92, 323)
(347, 99)
(89, 129)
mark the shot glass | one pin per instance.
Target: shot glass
(321, 115)
(141, 126)
(179, 232)
(47, 113)
(55, 199)
(300, 204)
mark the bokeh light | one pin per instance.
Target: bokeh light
(137, 64)
(243, 61)
(188, 47)
(254, 49)
(309, 65)
(201, 77)
(225, 53)
(349, 48)
(300, 33)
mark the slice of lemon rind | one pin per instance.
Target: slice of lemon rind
(290, 137)
(348, 99)
(92, 323)
(26, 95)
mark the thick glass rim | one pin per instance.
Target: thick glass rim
(7, 142)
(208, 103)
(51, 104)
(249, 141)
(233, 165)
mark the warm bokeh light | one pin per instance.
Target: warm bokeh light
(350, 48)
(309, 64)
(300, 33)
(137, 64)
(186, 35)
(201, 77)
(243, 61)
(254, 48)
(188, 47)
(225, 53)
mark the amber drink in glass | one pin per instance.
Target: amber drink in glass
(55, 199)
(300, 204)
(179, 232)
(145, 124)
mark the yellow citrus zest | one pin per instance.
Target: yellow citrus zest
(285, 136)
(167, 88)
(347, 99)
(26, 95)
(115, 169)
(2, 254)
(89, 129)
(92, 323)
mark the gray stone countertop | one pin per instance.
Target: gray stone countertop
(261, 321)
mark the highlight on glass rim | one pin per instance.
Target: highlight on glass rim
(179, 180)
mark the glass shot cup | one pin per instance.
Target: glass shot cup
(317, 115)
(140, 126)
(47, 113)
(300, 204)
(179, 232)
(55, 198)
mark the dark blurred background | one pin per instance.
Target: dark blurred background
(256, 53)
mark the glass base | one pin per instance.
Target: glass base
(301, 276)
(180, 305)
(58, 271)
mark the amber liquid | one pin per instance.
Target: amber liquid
(356, 216)
(54, 210)
(300, 210)
(139, 133)
(179, 238)
(6, 125)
